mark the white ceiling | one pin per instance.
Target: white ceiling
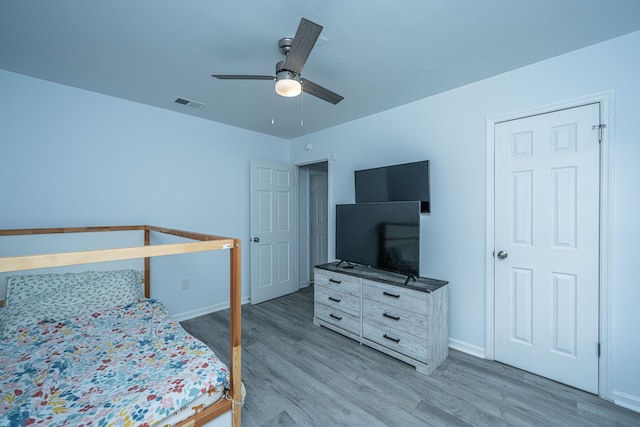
(378, 54)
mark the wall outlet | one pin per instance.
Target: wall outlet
(186, 283)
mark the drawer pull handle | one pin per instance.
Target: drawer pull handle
(335, 317)
(389, 294)
(334, 299)
(395, 340)
(391, 316)
(335, 281)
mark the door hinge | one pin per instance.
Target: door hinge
(600, 127)
(598, 349)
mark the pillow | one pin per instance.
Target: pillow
(108, 289)
(25, 290)
(52, 297)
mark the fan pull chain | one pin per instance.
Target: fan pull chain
(273, 103)
(302, 108)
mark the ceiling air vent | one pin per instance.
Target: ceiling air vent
(190, 103)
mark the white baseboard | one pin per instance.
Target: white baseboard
(466, 348)
(304, 284)
(205, 310)
(625, 400)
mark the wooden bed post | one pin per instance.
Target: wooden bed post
(147, 266)
(236, 331)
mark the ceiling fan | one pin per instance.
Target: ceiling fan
(288, 80)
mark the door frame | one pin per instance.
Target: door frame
(312, 215)
(328, 157)
(606, 100)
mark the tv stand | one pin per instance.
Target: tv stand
(408, 320)
(406, 282)
(349, 265)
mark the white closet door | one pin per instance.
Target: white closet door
(547, 241)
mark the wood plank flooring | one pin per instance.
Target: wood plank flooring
(298, 374)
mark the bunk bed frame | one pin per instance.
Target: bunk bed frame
(203, 243)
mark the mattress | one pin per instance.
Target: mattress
(129, 365)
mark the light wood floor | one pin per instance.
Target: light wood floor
(298, 374)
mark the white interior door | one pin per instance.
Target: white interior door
(546, 245)
(274, 225)
(318, 227)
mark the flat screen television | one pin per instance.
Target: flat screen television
(403, 182)
(380, 235)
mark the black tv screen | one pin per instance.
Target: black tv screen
(403, 182)
(380, 235)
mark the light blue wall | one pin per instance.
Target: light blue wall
(70, 157)
(449, 129)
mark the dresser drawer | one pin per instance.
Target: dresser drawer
(337, 281)
(393, 317)
(399, 298)
(338, 300)
(396, 340)
(339, 318)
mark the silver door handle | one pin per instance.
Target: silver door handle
(502, 254)
(256, 239)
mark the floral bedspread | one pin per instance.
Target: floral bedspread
(128, 366)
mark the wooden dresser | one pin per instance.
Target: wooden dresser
(407, 321)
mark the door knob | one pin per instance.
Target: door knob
(256, 239)
(502, 254)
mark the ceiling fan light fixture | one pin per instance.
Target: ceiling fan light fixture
(288, 84)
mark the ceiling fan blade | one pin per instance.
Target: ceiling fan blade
(241, 77)
(321, 92)
(304, 40)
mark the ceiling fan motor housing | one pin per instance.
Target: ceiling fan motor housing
(283, 73)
